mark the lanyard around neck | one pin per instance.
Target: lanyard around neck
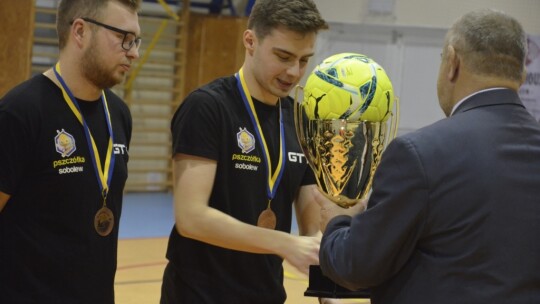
(275, 177)
(103, 175)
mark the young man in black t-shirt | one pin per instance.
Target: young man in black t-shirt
(63, 162)
(239, 170)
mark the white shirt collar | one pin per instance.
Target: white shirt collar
(467, 97)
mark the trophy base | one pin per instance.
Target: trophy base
(322, 287)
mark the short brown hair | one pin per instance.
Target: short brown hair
(301, 16)
(69, 10)
(492, 43)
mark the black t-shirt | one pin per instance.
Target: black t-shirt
(213, 123)
(50, 251)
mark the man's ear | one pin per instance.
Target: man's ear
(78, 31)
(249, 41)
(454, 63)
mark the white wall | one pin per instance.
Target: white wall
(406, 37)
(425, 13)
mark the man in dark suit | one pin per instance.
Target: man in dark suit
(454, 216)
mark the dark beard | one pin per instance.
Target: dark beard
(93, 70)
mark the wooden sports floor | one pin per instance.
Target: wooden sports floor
(140, 268)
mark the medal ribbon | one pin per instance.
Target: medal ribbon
(272, 178)
(104, 175)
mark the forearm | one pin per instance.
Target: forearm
(308, 213)
(214, 227)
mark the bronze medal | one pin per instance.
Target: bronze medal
(104, 221)
(267, 219)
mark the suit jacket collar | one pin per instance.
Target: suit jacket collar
(489, 98)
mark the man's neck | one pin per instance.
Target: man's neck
(255, 89)
(470, 82)
(79, 86)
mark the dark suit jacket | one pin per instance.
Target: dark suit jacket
(454, 216)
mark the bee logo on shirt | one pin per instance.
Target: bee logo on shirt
(246, 140)
(65, 143)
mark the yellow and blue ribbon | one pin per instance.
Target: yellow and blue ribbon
(104, 175)
(275, 177)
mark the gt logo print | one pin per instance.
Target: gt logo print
(296, 157)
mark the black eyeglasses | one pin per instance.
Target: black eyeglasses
(130, 39)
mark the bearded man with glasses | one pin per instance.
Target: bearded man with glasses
(63, 161)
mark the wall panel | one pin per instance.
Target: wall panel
(16, 32)
(214, 48)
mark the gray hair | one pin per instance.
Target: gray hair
(492, 42)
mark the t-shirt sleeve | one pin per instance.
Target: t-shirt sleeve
(14, 149)
(195, 126)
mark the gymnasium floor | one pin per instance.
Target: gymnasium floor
(147, 219)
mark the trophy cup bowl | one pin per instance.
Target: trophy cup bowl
(343, 155)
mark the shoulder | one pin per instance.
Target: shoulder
(428, 143)
(30, 100)
(217, 91)
(434, 132)
(218, 95)
(27, 94)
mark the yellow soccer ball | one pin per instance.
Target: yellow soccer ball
(348, 86)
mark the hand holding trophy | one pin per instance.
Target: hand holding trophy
(345, 116)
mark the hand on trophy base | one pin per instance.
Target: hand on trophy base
(329, 209)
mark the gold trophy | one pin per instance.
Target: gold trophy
(345, 116)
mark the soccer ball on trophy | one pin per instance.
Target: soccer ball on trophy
(348, 86)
